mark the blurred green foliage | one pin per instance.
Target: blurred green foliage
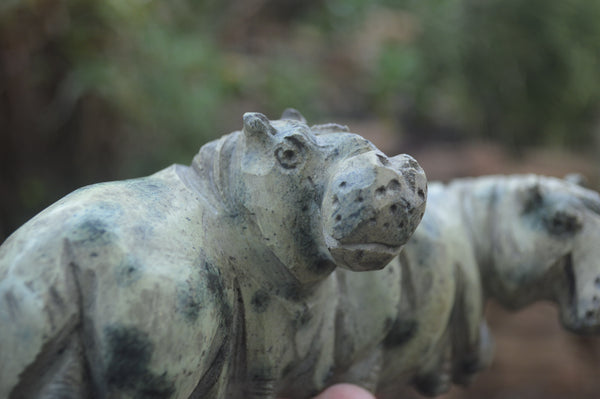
(96, 90)
(519, 72)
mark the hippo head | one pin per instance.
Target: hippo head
(323, 197)
(546, 247)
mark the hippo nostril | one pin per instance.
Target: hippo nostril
(386, 225)
(335, 200)
(393, 208)
(338, 218)
(343, 184)
(360, 199)
(380, 192)
(394, 185)
(401, 225)
(412, 163)
(421, 194)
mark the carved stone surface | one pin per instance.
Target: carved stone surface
(517, 239)
(215, 280)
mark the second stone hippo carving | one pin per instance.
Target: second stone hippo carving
(517, 239)
(215, 280)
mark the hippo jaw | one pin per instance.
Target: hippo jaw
(578, 299)
(371, 208)
(362, 257)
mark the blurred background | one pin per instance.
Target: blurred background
(101, 90)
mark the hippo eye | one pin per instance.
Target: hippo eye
(290, 153)
(564, 223)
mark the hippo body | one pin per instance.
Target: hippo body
(210, 281)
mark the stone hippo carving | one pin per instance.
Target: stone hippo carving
(517, 239)
(210, 281)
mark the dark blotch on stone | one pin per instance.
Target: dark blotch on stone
(260, 301)
(400, 332)
(93, 231)
(287, 369)
(189, 301)
(56, 298)
(429, 384)
(128, 271)
(471, 365)
(128, 355)
(302, 318)
(147, 187)
(12, 303)
(202, 286)
(290, 291)
(389, 322)
(322, 266)
(214, 283)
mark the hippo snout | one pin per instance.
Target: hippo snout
(372, 207)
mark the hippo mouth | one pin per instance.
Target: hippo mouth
(578, 315)
(361, 256)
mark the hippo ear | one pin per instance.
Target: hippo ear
(577, 178)
(257, 125)
(531, 197)
(293, 114)
(591, 200)
(329, 128)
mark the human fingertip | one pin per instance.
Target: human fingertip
(345, 391)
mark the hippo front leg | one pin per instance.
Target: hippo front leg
(474, 359)
(260, 386)
(265, 350)
(435, 377)
(453, 361)
(471, 341)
